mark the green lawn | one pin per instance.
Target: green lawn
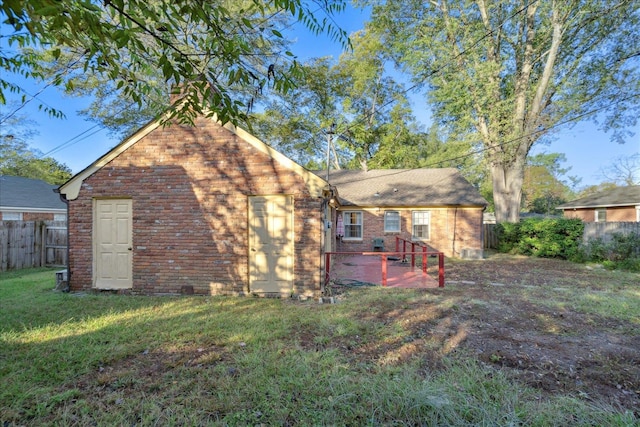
(103, 359)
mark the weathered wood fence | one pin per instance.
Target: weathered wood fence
(490, 236)
(605, 230)
(26, 244)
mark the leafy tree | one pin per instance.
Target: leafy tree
(592, 189)
(205, 49)
(18, 159)
(351, 102)
(544, 185)
(511, 72)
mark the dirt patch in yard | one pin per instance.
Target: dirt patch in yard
(521, 315)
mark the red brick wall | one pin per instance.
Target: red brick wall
(37, 216)
(189, 188)
(616, 214)
(464, 223)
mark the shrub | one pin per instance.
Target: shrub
(621, 252)
(508, 236)
(548, 238)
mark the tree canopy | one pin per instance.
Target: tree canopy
(17, 158)
(510, 73)
(350, 101)
(208, 50)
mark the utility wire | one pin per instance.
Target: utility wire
(555, 125)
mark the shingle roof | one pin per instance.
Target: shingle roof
(404, 187)
(619, 196)
(19, 192)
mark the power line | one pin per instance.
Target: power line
(71, 142)
(447, 64)
(555, 125)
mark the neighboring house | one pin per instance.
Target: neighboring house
(26, 199)
(210, 209)
(435, 206)
(620, 204)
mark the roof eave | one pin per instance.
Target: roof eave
(598, 206)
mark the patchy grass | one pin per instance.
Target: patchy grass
(498, 352)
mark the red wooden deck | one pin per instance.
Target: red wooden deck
(357, 268)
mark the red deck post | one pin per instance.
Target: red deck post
(384, 270)
(413, 254)
(424, 259)
(397, 244)
(441, 270)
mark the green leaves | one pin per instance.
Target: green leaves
(134, 45)
(508, 73)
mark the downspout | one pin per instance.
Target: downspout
(67, 288)
(455, 228)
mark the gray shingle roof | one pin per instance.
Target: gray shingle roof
(619, 196)
(19, 192)
(404, 187)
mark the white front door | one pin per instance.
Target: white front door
(271, 244)
(113, 244)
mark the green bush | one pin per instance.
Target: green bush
(508, 236)
(548, 238)
(621, 252)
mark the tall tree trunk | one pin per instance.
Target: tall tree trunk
(507, 190)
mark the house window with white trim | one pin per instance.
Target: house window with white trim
(638, 213)
(420, 225)
(59, 217)
(601, 215)
(352, 225)
(392, 221)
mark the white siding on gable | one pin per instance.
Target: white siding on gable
(12, 216)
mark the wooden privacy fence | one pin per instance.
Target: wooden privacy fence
(489, 236)
(605, 230)
(26, 244)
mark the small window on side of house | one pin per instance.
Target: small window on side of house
(420, 225)
(638, 213)
(601, 215)
(59, 217)
(392, 221)
(352, 225)
(12, 216)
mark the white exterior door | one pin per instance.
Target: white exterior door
(113, 244)
(271, 244)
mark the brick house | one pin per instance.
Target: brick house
(210, 209)
(435, 206)
(27, 199)
(204, 209)
(620, 204)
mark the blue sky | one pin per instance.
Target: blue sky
(586, 148)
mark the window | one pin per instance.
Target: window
(638, 213)
(601, 215)
(352, 225)
(59, 217)
(12, 216)
(421, 225)
(392, 221)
